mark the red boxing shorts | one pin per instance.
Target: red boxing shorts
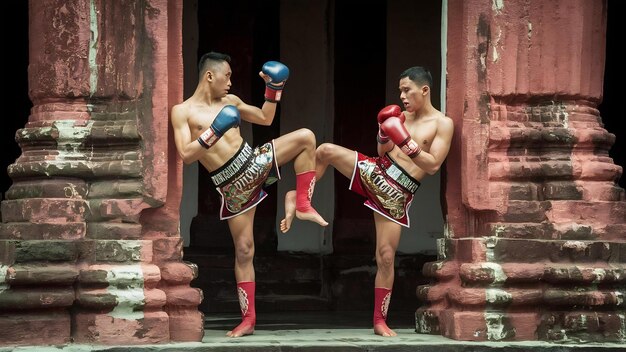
(388, 188)
(242, 179)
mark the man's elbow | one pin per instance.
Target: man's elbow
(186, 159)
(433, 170)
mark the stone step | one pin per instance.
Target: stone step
(512, 250)
(567, 230)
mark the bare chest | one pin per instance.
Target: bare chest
(201, 118)
(423, 132)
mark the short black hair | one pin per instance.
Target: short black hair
(209, 59)
(419, 75)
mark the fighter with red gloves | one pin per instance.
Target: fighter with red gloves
(411, 145)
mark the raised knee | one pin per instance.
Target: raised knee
(324, 151)
(307, 136)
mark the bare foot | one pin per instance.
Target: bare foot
(311, 215)
(245, 328)
(290, 211)
(383, 330)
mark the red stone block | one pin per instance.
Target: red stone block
(134, 329)
(185, 324)
(42, 274)
(179, 272)
(488, 326)
(44, 327)
(44, 210)
(42, 231)
(182, 295)
(48, 188)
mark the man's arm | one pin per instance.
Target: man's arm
(188, 150)
(260, 116)
(275, 75)
(429, 161)
(432, 160)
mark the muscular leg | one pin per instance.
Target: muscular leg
(241, 230)
(299, 146)
(387, 239)
(342, 159)
(326, 154)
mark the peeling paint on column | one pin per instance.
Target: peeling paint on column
(496, 330)
(3, 278)
(423, 326)
(93, 48)
(70, 138)
(498, 274)
(497, 6)
(599, 274)
(441, 248)
(490, 244)
(126, 283)
(497, 296)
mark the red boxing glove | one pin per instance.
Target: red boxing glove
(394, 128)
(385, 113)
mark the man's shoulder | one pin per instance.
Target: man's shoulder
(445, 124)
(444, 119)
(180, 110)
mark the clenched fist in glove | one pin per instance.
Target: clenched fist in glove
(394, 128)
(278, 74)
(385, 113)
(226, 119)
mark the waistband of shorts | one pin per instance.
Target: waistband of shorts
(398, 174)
(233, 166)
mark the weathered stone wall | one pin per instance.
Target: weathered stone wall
(91, 250)
(536, 244)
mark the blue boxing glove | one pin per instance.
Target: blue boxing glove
(226, 119)
(278, 74)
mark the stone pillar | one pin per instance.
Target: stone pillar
(535, 247)
(90, 250)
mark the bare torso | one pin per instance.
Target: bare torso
(200, 116)
(423, 130)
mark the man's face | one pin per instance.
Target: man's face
(412, 95)
(220, 79)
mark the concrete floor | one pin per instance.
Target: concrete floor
(327, 332)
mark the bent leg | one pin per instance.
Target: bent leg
(299, 146)
(387, 240)
(342, 159)
(326, 154)
(241, 230)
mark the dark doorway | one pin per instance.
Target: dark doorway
(343, 280)
(16, 103)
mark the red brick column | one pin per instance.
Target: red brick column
(536, 243)
(89, 243)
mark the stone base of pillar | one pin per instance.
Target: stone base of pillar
(105, 329)
(583, 326)
(477, 325)
(186, 324)
(40, 328)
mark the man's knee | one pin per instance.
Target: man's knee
(386, 256)
(325, 151)
(307, 136)
(244, 250)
